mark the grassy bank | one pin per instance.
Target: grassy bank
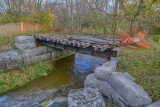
(9, 31)
(14, 79)
(144, 66)
(7, 34)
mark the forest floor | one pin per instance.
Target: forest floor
(144, 66)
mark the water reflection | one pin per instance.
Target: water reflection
(86, 63)
(70, 70)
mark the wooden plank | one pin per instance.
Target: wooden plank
(73, 43)
(78, 44)
(69, 43)
(85, 41)
(95, 47)
(48, 39)
(85, 45)
(64, 43)
(103, 48)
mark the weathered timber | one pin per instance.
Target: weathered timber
(93, 45)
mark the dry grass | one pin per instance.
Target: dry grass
(14, 79)
(7, 34)
(10, 29)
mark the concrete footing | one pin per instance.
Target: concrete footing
(27, 53)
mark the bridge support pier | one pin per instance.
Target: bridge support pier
(109, 54)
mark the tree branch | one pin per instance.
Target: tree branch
(97, 8)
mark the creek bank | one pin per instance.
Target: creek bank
(27, 53)
(18, 60)
(119, 87)
(70, 70)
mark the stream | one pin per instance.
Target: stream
(70, 71)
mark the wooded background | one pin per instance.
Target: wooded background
(81, 16)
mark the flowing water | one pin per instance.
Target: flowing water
(70, 71)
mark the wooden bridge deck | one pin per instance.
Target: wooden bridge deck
(92, 45)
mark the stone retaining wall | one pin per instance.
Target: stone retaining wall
(27, 53)
(117, 86)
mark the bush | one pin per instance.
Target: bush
(46, 20)
(4, 18)
(157, 30)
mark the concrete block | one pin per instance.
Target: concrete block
(54, 54)
(25, 46)
(24, 39)
(103, 72)
(35, 51)
(128, 90)
(114, 98)
(103, 86)
(32, 59)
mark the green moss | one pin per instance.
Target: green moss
(45, 104)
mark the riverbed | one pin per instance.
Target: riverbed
(70, 71)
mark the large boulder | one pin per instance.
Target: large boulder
(25, 42)
(9, 60)
(86, 97)
(24, 39)
(128, 90)
(103, 86)
(25, 46)
(103, 72)
(116, 99)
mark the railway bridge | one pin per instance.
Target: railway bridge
(98, 46)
